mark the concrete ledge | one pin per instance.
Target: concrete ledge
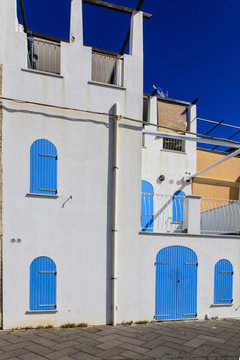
(28, 312)
(106, 85)
(220, 305)
(174, 151)
(42, 195)
(43, 73)
(184, 234)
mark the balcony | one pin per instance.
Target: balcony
(44, 55)
(190, 214)
(107, 67)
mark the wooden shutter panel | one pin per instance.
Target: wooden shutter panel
(43, 175)
(43, 275)
(223, 279)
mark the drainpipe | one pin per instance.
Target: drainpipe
(114, 215)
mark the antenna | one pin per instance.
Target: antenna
(160, 92)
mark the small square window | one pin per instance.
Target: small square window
(174, 144)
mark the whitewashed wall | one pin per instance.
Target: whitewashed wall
(75, 235)
(173, 165)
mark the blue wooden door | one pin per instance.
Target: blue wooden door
(176, 283)
(43, 274)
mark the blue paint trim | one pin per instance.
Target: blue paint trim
(43, 168)
(176, 283)
(147, 216)
(223, 282)
(43, 282)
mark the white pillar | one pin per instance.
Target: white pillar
(191, 118)
(191, 214)
(76, 26)
(136, 34)
(8, 16)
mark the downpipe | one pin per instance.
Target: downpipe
(114, 216)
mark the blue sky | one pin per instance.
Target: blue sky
(191, 48)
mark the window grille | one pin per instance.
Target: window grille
(174, 144)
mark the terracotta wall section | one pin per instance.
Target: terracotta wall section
(171, 115)
(227, 171)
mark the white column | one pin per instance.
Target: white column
(136, 34)
(76, 27)
(191, 214)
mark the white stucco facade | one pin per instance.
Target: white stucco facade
(74, 228)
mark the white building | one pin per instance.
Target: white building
(74, 245)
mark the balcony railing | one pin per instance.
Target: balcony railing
(162, 213)
(44, 55)
(166, 213)
(220, 216)
(107, 68)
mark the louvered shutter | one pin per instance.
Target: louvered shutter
(223, 279)
(43, 175)
(43, 278)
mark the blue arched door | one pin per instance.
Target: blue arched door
(176, 283)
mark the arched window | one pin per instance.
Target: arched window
(177, 215)
(147, 207)
(223, 279)
(43, 279)
(43, 173)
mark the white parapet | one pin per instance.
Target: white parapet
(191, 214)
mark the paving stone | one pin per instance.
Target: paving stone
(212, 338)
(108, 354)
(92, 350)
(61, 353)
(109, 337)
(31, 356)
(126, 339)
(108, 345)
(194, 343)
(84, 356)
(13, 353)
(16, 346)
(133, 355)
(39, 349)
(170, 340)
(134, 348)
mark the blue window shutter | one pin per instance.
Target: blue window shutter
(43, 173)
(177, 215)
(223, 279)
(147, 215)
(43, 278)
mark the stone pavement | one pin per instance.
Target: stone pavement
(213, 339)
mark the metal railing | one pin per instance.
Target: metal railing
(220, 216)
(107, 68)
(44, 55)
(162, 213)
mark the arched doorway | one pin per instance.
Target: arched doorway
(176, 283)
